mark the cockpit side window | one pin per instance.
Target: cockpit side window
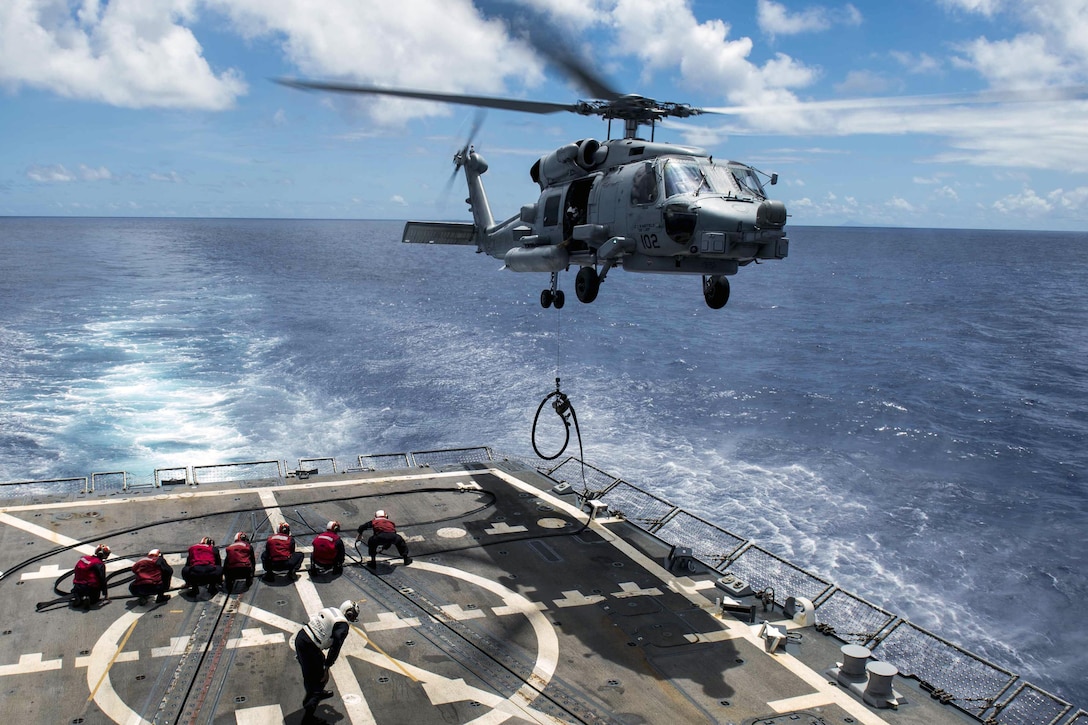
(683, 177)
(644, 185)
(747, 180)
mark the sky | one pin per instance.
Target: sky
(168, 108)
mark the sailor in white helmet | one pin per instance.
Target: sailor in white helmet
(317, 645)
(385, 535)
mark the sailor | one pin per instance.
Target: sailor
(203, 565)
(328, 554)
(152, 576)
(241, 561)
(324, 633)
(89, 580)
(385, 535)
(279, 553)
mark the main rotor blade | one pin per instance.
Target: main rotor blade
(536, 28)
(1034, 95)
(506, 104)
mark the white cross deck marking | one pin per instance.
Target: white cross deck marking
(454, 612)
(630, 589)
(575, 598)
(131, 656)
(501, 527)
(31, 662)
(389, 620)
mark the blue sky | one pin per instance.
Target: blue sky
(165, 108)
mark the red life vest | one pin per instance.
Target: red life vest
(240, 554)
(384, 526)
(280, 547)
(88, 571)
(201, 555)
(325, 548)
(147, 571)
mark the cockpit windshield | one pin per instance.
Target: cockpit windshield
(696, 176)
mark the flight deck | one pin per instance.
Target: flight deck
(526, 601)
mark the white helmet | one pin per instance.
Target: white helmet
(379, 514)
(350, 610)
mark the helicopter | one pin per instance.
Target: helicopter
(636, 204)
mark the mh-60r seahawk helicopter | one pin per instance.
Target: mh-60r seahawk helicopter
(632, 203)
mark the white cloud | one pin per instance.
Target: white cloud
(88, 174)
(1026, 203)
(50, 174)
(58, 173)
(917, 63)
(775, 19)
(981, 7)
(171, 177)
(127, 53)
(899, 204)
(863, 82)
(438, 45)
(1023, 61)
(398, 200)
(1048, 47)
(665, 34)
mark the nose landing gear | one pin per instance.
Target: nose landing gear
(715, 291)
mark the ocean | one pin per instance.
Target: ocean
(903, 411)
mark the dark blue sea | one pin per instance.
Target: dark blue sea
(904, 411)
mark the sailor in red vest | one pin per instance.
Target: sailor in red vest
(325, 632)
(152, 576)
(279, 553)
(385, 535)
(241, 561)
(328, 552)
(203, 565)
(89, 579)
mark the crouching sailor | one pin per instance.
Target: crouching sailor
(89, 579)
(152, 576)
(385, 535)
(328, 554)
(317, 645)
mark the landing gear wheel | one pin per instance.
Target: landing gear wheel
(715, 291)
(559, 300)
(587, 284)
(546, 298)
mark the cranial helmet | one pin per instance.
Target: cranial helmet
(154, 552)
(241, 536)
(102, 552)
(285, 528)
(333, 526)
(350, 610)
(208, 540)
(379, 514)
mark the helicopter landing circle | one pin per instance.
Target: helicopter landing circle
(109, 648)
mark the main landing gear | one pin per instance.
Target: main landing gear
(715, 291)
(553, 296)
(587, 284)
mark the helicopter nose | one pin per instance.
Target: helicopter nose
(739, 229)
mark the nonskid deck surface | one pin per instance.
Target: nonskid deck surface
(516, 608)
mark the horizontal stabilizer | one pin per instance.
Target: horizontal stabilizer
(439, 233)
